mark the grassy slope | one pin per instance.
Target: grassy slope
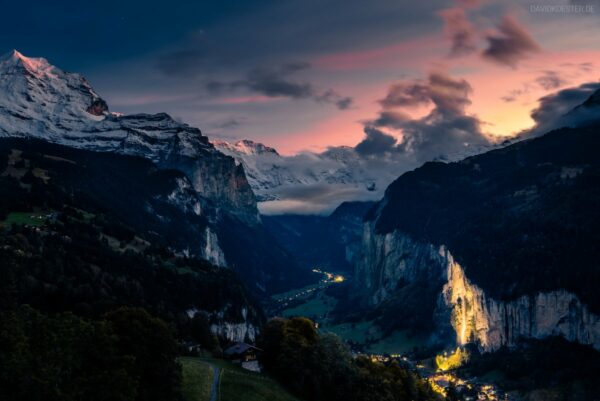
(27, 218)
(241, 386)
(237, 384)
(197, 379)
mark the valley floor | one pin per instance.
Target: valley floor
(314, 302)
(365, 337)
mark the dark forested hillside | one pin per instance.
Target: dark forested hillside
(548, 369)
(88, 232)
(94, 295)
(520, 219)
(127, 355)
(156, 203)
(91, 267)
(129, 189)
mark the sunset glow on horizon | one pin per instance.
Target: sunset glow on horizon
(306, 77)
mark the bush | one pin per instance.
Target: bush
(128, 357)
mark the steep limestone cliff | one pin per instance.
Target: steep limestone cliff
(388, 261)
(235, 332)
(491, 323)
(393, 261)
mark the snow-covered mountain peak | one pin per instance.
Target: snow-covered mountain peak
(245, 147)
(17, 59)
(36, 96)
(41, 101)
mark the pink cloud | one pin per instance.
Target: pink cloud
(459, 30)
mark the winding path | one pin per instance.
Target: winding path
(214, 390)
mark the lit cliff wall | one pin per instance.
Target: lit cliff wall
(389, 259)
(491, 323)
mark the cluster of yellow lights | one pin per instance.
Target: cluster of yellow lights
(453, 360)
(335, 278)
(437, 388)
(379, 358)
(438, 380)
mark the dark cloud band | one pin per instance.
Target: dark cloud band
(280, 83)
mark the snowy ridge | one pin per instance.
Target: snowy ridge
(270, 174)
(340, 172)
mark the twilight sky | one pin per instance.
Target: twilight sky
(307, 74)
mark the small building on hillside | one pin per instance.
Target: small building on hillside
(192, 347)
(244, 354)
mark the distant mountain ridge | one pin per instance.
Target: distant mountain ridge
(270, 174)
(339, 170)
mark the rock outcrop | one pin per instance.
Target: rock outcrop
(390, 260)
(242, 327)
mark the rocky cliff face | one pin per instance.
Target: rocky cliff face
(394, 260)
(245, 329)
(492, 324)
(232, 324)
(236, 332)
(388, 261)
(220, 182)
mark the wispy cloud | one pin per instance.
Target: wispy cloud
(510, 44)
(280, 83)
(459, 30)
(550, 80)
